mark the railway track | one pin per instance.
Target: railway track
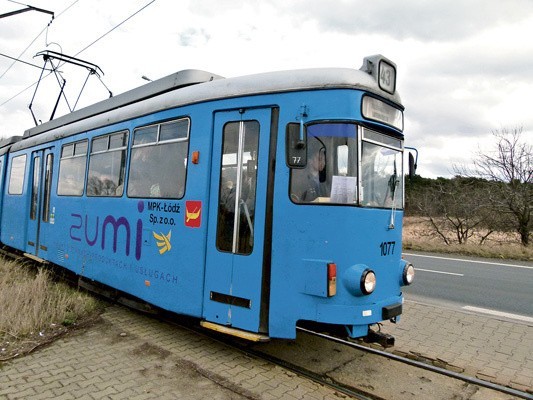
(425, 366)
(275, 352)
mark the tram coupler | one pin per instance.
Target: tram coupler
(384, 339)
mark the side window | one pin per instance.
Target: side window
(16, 176)
(158, 165)
(47, 187)
(107, 165)
(329, 175)
(72, 169)
(35, 187)
(238, 181)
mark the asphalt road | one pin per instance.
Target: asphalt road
(479, 285)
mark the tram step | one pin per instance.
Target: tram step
(252, 336)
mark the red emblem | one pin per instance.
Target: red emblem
(193, 214)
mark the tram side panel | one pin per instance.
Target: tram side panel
(146, 245)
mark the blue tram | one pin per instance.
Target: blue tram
(252, 203)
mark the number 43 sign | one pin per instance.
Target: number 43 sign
(387, 77)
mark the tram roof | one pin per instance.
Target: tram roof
(194, 86)
(169, 83)
(6, 143)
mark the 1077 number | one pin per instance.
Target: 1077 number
(387, 248)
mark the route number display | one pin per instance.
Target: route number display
(387, 77)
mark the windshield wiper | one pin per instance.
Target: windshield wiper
(393, 182)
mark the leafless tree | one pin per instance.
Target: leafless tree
(456, 209)
(509, 169)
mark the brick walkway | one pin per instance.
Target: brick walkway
(488, 348)
(132, 357)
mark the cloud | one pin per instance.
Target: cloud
(464, 67)
(421, 20)
(193, 37)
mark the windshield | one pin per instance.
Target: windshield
(381, 171)
(330, 173)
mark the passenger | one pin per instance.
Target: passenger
(141, 180)
(94, 186)
(308, 187)
(226, 214)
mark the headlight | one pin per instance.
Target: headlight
(368, 281)
(408, 274)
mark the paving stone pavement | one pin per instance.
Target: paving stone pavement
(132, 356)
(488, 348)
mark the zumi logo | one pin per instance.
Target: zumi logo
(92, 232)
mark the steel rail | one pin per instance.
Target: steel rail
(422, 365)
(243, 348)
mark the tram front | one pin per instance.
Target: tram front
(336, 256)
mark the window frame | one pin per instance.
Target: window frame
(294, 186)
(48, 177)
(363, 134)
(236, 205)
(72, 156)
(18, 181)
(155, 144)
(108, 150)
(377, 138)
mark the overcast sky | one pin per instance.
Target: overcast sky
(465, 67)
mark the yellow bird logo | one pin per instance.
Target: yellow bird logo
(193, 215)
(163, 241)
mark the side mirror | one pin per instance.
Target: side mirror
(296, 149)
(412, 166)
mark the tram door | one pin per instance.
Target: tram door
(234, 264)
(40, 216)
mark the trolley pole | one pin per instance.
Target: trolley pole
(28, 8)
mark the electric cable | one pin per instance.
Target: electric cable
(21, 61)
(82, 50)
(33, 41)
(115, 27)
(23, 51)
(21, 54)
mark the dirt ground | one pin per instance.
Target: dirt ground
(12, 347)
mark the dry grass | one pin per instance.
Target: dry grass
(33, 308)
(418, 235)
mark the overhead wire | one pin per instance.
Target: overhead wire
(115, 27)
(26, 49)
(37, 37)
(21, 61)
(17, 59)
(79, 52)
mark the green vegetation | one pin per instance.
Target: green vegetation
(36, 309)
